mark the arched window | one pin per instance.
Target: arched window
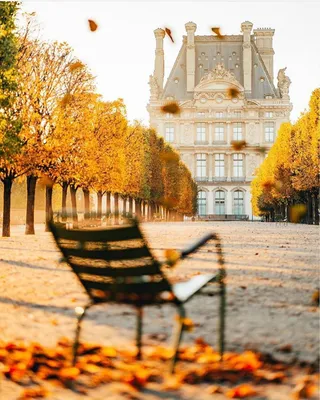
(238, 202)
(202, 202)
(220, 202)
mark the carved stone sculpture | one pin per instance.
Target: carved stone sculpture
(283, 83)
(154, 88)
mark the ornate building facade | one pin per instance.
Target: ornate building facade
(206, 69)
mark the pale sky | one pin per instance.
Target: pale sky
(121, 52)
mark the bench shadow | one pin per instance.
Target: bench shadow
(31, 266)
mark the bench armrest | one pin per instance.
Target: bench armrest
(194, 247)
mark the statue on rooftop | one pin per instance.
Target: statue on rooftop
(154, 88)
(283, 83)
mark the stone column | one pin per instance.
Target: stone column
(246, 28)
(229, 166)
(159, 57)
(191, 55)
(228, 132)
(210, 132)
(210, 166)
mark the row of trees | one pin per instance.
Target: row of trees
(289, 176)
(54, 125)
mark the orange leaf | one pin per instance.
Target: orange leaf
(241, 391)
(233, 92)
(76, 65)
(171, 108)
(92, 25)
(34, 393)
(168, 32)
(69, 373)
(238, 144)
(216, 30)
(172, 256)
(297, 212)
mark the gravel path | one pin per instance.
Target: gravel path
(272, 274)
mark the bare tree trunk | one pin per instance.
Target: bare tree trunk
(86, 197)
(116, 208)
(108, 204)
(49, 214)
(138, 208)
(314, 207)
(317, 206)
(124, 212)
(99, 209)
(31, 195)
(131, 206)
(64, 201)
(143, 209)
(73, 193)
(7, 185)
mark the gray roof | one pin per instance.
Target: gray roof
(211, 51)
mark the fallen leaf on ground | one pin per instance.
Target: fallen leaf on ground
(241, 392)
(33, 393)
(287, 348)
(315, 297)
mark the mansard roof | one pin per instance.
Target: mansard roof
(211, 51)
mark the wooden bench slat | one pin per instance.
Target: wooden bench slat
(101, 235)
(139, 288)
(108, 255)
(117, 272)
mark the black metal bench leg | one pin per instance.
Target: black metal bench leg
(222, 318)
(81, 312)
(139, 331)
(178, 337)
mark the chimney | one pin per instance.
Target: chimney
(263, 38)
(246, 28)
(191, 55)
(159, 57)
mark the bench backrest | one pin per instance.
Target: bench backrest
(113, 264)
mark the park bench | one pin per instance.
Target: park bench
(116, 265)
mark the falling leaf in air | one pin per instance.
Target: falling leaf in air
(92, 25)
(315, 297)
(233, 92)
(297, 212)
(168, 32)
(46, 181)
(75, 66)
(171, 108)
(238, 144)
(66, 99)
(261, 149)
(216, 30)
(172, 256)
(241, 392)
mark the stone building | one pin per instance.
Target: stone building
(205, 69)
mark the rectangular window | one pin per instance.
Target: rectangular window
(269, 132)
(219, 114)
(169, 134)
(237, 131)
(169, 116)
(201, 114)
(268, 114)
(201, 166)
(238, 165)
(201, 132)
(219, 166)
(237, 114)
(219, 133)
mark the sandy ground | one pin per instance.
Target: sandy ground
(272, 274)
